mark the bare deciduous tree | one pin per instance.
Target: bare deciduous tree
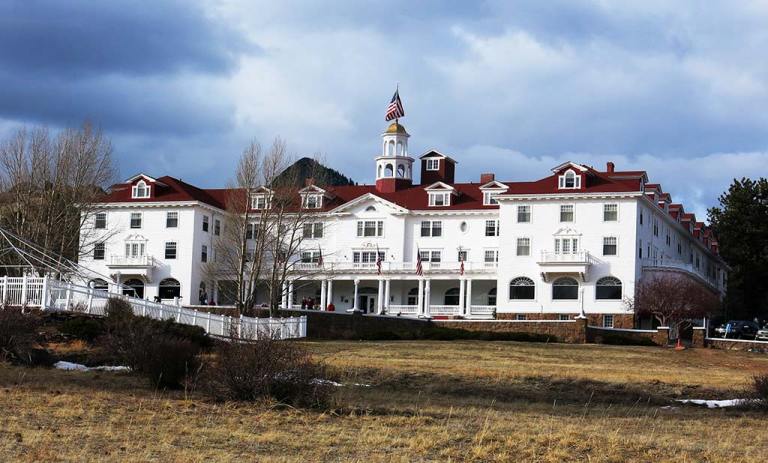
(51, 184)
(263, 231)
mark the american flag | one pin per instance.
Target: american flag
(395, 108)
(320, 257)
(419, 269)
(378, 261)
(461, 268)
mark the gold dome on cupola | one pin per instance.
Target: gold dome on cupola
(395, 127)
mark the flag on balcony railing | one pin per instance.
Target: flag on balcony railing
(320, 257)
(419, 269)
(461, 267)
(378, 260)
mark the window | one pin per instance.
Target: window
(205, 223)
(522, 288)
(311, 257)
(655, 227)
(413, 296)
(565, 288)
(523, 246)
(170, 250)
(491, 228)
(566, 213)
(204, 254)
(171, 219)
(451, 297)
(367, 257)
(251, 232)
(169, 289)
(563, 317)
(433, 164)
(135, 219)
(100, 220)
(489, 198)
(641, 217)
(217, 227)
(431, 228)
(430, 256)
(610, 247)
(679, 249)
(462, 257)
(669, 240)
(313, 201)
(259, 202)
(523, 214)
(608, 288)
(140, 190)
(566, 245)
(313, 230)
(607, 321)
(370, 228)
(134, 249)
(569, 180)
(520, 317)
(99, 249)
(492, 296)
(439, 199)
(491, 256)
(610, 212)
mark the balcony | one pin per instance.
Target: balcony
(685, 267)
(397, 267)
(554, 264)
(129, 265)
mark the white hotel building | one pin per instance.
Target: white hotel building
(576, 239)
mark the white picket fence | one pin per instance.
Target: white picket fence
(49, 294)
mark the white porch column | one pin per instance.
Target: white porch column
(420, 297)
(380, 297)
(354, 298)
(427, 295)
(469, 297)
(284, 295)
(290, 294)
(329, 294)
(323, 295)
(386, 295)
(462, 305)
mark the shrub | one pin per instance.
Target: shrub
(281, 370)
(87, 329)
(439, 333)
(167, 361)
(760, 390)
(620, 340)
(18, 336)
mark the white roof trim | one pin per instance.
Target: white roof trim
(311, 189)
(494, 185)
(368, 197)
(436, 153)
(438, 186)
(567, 164)
(145, 177)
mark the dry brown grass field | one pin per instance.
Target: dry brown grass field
(427, 401)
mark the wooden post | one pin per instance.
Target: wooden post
(178, 315)
(208, 324)
(69, 296)
(43, 298)
(23, 291)
(5, 290)
(90, 298)
(240, 327)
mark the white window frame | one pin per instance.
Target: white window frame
(102, 246)
(140, 217)
(606, 206)
(429, 255)
(615, 243)
(517, 246)
(217, 227)
(434, 225)
(313, 201)
(573, 213)
(206, 223)
(168, 216)
(489, 198)
(495, 227)
(445, 198)
(96, 220)
(204, 253)
(315, 230)
(562, 180)
(378, 226)
(493, 253)
(141, 190)
(432, 164)
(608, 318)
(524, 209)
(168, 246)
(260, 201)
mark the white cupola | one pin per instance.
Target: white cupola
(394, 168)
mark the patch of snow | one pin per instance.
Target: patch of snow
(715, 403)
(69, 366)
(328, 382)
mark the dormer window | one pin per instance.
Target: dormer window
(569, 180)
(140, 190)
(439, 199)
(259, 202)
(489, 198)
(313, 201)
(433, 164)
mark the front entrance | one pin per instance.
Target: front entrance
(366, 300)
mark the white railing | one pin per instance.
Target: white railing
(678, 265)
(580, 257)
(396, 267)
(49, 294)
(403, 309)
(127, 261)
(445, 310)
(482, 309)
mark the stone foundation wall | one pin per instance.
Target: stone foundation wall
(599, 335)
(737, 344)
(624, 321)
(572, 331)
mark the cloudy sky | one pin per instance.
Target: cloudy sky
(679, 89)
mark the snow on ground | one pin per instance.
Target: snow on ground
(715, 403)
(69, 366)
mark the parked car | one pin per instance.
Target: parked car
(762, 334)
(738, 329)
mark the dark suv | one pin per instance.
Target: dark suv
(738, 329)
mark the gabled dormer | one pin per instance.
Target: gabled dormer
(313, 197)
(437, 167)
(440, 194)
(143, 186)
(490, 189)
(261, 198)
(571, 176)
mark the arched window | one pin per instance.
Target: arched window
(388, 171)
(570, 179)
(399, 148)
(391, 148)
(565, 288)
(370, 209)
(140, 190)
(99, 284)
(608, 288)
(413, 296)
(379, 175)
(169, 288)
(492, 297)
(133, 287)
(451, 297)
(522, 288)
(400, 171)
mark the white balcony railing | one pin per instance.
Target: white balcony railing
(397, 267)
(482, 309)
(679, 265)
(131, 261)
(444, 310)
(403, 309)
(580, 257)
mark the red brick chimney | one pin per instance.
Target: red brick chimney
(309, 181)
(487, 177)
(610, 167)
